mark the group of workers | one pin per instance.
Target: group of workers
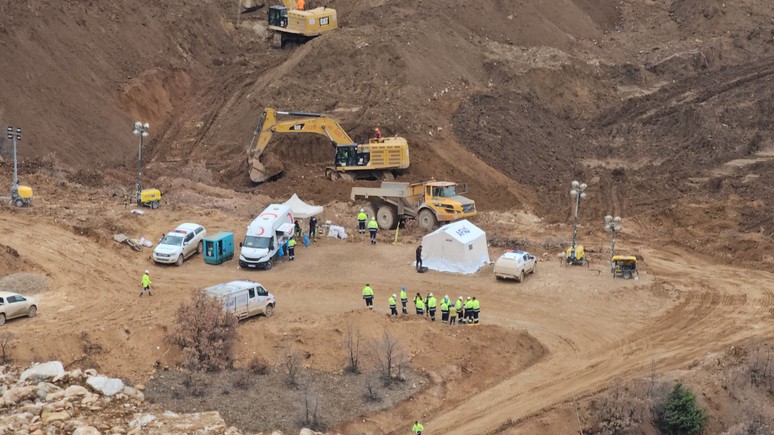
(291, 244)
(466, 310)
(372, 225)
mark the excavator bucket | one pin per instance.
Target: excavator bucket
(263, 171)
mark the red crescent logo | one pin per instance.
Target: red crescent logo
(260, 231)
(269, 213)
(290, 216)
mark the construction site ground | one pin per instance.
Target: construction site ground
(663, 108)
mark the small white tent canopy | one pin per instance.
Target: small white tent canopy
(456, 247)
(302, 210)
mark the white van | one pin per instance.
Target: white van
(270, 230)
(243, 298)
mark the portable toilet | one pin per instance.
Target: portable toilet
(219, 248)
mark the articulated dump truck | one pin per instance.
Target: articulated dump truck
(430, 203)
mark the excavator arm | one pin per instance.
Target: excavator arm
(315, 123)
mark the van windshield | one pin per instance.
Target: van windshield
(172, 240)
(257, 242)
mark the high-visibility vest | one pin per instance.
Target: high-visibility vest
(372, 225)
(419, 303)
(392, 302)
(476, 304)
(292, 243)
(146, 280)
(444, 306)
(431, 302)
(362, 216)
(417, 428)
(452, 311)
(368, 291)
(458, 305)
(403, 295)
(469, 305)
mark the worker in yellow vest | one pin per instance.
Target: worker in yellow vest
(431, 304)
(476, 308)
(368, 296)
(417, 428)
(444, 310)
(361, 221)
(419, 304)
(458, 307)
(468, 317)
(403, 299)
(373, 227)
(393, 301)
(452, 314)
(292, 249)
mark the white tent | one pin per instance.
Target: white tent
(302, 210)
(456, 247)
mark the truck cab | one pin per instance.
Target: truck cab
(448, 205)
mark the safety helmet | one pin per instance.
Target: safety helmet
(430, 294)
(394, 295)
(147, 272)
(403, 288)
(362, 210)
(373, 218)
(468, 297)
(460, 298)
(447, 296)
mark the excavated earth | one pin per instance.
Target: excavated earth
(663, 108)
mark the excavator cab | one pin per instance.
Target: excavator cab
(278, 16)
(348, 155)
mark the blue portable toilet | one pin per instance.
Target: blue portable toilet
(219, 248)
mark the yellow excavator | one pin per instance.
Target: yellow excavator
(290, 24)
(377, 159)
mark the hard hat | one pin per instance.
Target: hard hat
(147, 272)
(460, 298)
(447, 296)
(430, 294)
(394, 295)
(468, 297)
(403, 288)
(362, 210)
(373, 218)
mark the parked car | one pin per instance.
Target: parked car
(183, 242)
(13, 305)
(515, 265)
(243, 298)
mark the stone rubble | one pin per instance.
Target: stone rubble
(46, 399)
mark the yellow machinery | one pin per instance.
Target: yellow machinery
(376, 159)
(575, 255)
(429, 203)
(289, 24)
(150, 198)
(624, 266)
(21, 195)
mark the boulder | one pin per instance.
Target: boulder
(47, 370)
(50, 417)
(134, 393)
(141, 420)
(18, 394)
(75, 390)
(104, 385)
(86, 430)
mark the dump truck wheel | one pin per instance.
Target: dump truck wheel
(19, 203)
(427, 219)
(386, 217)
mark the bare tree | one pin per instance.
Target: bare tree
(389, 356)
(312, 418)
(7, 345)
(205, 332)
(292, 362)
(352, 342)
(371, 393)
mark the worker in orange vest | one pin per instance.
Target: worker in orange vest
(300, 5)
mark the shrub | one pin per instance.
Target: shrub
(679, 413)
(7, 344)
(258, 366)
(205, 333)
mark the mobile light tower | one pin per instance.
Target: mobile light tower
(20, 195)
(575, 252)
(612, 224)
(148, 197)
